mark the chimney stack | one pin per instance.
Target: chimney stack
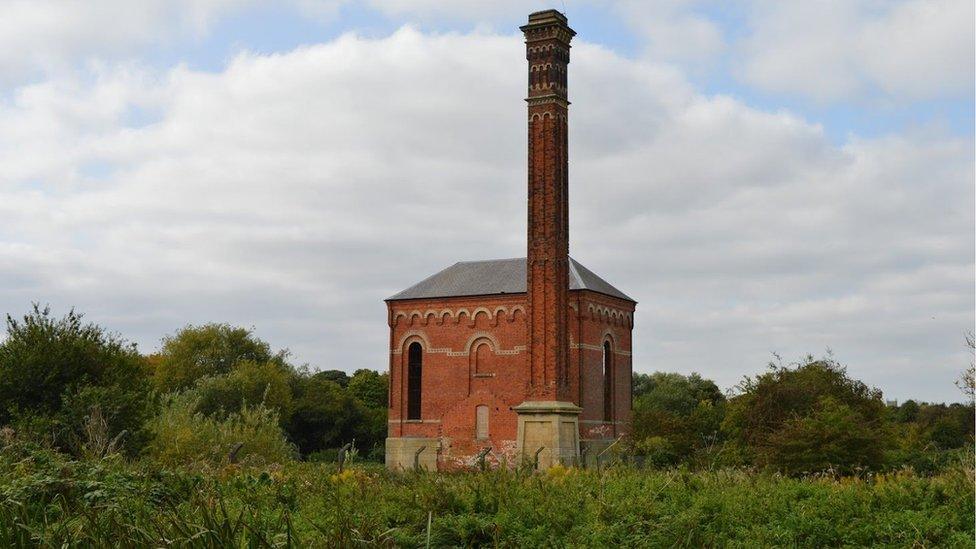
(547, 37)
(548, 420)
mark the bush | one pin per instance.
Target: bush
(676, 417)
(324, 415)
(808, 417)
(249, 382)
(833, 436)
(55, 372)
(209, 350)
(370, 387)
(185, 437)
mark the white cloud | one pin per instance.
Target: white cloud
(844, 49)
(466, 10)
(293, 192)
(39, 37)
(44, 34)
(674, 30)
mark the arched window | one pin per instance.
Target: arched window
(415, 366)
(607, 382)
(483, 359)
(481, 422)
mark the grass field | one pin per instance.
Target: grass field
(47, 500)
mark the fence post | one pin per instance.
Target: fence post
(481, 457)
(535, 464)
(416, 457)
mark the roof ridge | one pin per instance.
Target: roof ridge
(490, 260)
(574, 273)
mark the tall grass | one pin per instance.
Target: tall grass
(46, 500)
(184, 437)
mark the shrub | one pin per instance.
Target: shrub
(183, 436)
(833, 436)
(808, 417)
(54, 372)
(324, 415)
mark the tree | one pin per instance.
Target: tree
(249, 383)
(325, 416)
(370, 387)
(833, 435)
(55, 373)
(336, 376)
(675, 416)
(195, 352)
(907, 412)
(675, 392)
(782, 419)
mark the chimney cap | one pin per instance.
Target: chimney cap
(547, 18)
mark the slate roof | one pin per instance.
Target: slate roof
(497, 276)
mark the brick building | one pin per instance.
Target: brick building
(522, 355)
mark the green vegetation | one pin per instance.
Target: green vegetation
(48, 500)
(56, 373)
(219, 441)
(804, 418)
(187, 438)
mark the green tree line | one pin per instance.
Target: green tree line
(208, 389)
(806, 417)
(216, 393)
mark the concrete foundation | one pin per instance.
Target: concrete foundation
(552, 426)
(401, 453)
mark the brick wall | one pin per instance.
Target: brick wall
(453, 383)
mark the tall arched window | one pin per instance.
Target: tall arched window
(607, 382)
(415, 366)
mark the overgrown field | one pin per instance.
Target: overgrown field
(48, 500)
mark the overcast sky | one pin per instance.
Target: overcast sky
(762, 176)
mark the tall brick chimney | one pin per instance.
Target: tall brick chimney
(548, 419)
(547, 39)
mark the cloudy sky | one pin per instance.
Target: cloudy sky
(761, 175)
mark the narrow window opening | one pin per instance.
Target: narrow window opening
(481, 422)
(607, 382)
(415, 359)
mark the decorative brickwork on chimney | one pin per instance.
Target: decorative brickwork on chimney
(547, 38)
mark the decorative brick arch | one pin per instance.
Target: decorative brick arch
(441, 316)
(515, 309)
(481, 336)
(497, 315)
(410, 337)
(474, 315)
(415, 314)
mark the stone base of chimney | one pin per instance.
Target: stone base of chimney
(553, 427)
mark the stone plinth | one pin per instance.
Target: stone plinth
(550, 425)
(400, 453)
